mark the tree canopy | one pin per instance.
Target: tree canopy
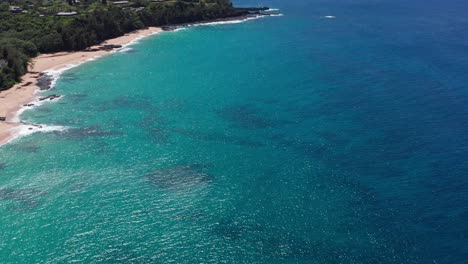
(38, 29)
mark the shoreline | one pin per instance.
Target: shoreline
(24, 95)
(12, 101)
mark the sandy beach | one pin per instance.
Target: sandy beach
(12, 100)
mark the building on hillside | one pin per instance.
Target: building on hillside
(134, 9)
(16, 9)
(73, 13)
(120, 2)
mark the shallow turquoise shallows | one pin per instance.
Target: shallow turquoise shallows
(337, 133)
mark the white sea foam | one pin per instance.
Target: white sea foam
(32, 105)
(227, 22)
(28, 129)
(125, 47)
(179, 29)
(329, 17)
(55, 74)
(25, 129)
(238, 21)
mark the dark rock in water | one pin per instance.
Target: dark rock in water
(44, 82)
(181, 176)
(50, 97)
(2, 166)
(28, 198)
(2, 118)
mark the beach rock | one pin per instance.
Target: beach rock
(28, 105)
(44, 82)
(110, 47)
(50, 97)
(2, 118)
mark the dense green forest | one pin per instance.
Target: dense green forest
(34, 27)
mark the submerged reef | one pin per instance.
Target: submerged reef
(26, 198)
(180, 176)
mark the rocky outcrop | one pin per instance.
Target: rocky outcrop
(50, 97)
(44, 82)
(110, 47)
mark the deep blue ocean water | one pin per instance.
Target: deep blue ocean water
(292, 139)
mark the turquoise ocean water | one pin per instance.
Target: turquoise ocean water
(288, 139)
